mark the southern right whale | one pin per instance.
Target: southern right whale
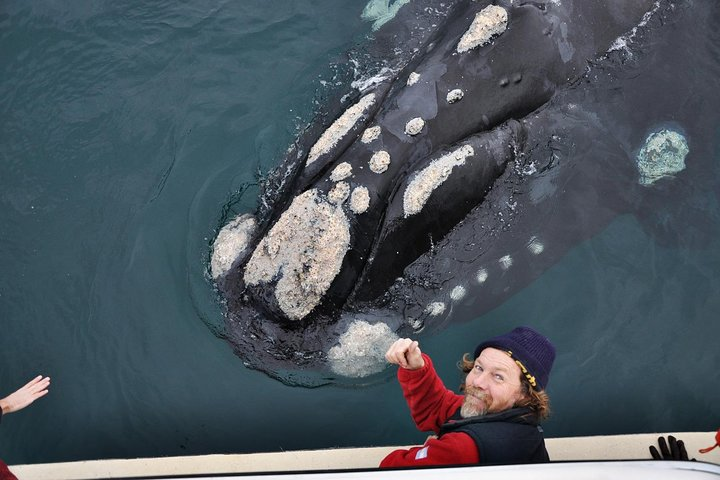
(476, 161)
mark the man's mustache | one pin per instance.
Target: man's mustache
(477, 393)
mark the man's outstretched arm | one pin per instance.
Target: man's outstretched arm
(430, 403)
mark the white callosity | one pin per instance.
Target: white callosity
(428, 179)
(455, 95)
(370, 134)
(662, 155)
(488, 22)
(339, 193)
(435, 308)
(414, 126)
(535, 246)
(340, 128)
(230, 243)
(505, 262)
(481, 276)
(305, 248)
(359, 200)
(413, 79)
(361, 349)
(458, 293)
(380, 161)
(341, 172)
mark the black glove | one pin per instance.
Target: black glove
(675, 452)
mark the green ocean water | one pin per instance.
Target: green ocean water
(127, 128)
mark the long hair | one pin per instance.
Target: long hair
(536, 400)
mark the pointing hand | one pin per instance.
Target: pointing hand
(405, 353)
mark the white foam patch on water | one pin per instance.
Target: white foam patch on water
(304, 251)
(505, 262)
(535, 246)
(339, 193)
(230, 243)
(458, 293)
(359, 200)
(481, 276)
(413, 79)
(361, 349)
(488, 22)
(435, 308)
(340, 128)
(431, 177)
(370, 134)
(380, 161)
(341, 172)
(455, 95)
(662, 155)
(414, 126)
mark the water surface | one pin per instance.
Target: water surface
(127, 130)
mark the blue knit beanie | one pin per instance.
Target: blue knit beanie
(533, 353)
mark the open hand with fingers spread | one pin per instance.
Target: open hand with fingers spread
(405, 353)
(24, 396)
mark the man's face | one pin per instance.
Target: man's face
(493, 385)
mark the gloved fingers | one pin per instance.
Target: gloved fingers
(683, 450)
(674, 449)
(654, 452)
(664, 448)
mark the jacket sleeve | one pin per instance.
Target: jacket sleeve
(430, 403)
(450, 449)
(5, 473)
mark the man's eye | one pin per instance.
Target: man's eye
(478, 368)
(499, 377)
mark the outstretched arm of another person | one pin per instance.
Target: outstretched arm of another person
(450, 449)
(24, 396)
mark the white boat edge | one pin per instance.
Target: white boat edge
(591, 449)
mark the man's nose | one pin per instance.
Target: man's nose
(480, 380)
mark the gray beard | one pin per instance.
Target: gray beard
(469, 409)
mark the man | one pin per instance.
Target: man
(497, 419)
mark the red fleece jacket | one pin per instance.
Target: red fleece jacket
(431, 405)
